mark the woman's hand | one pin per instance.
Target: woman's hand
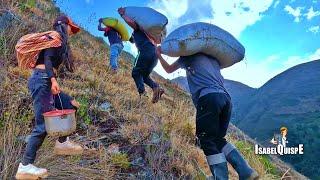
(55, 89)
(75, 103)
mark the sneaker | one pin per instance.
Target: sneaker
(157, 93)
(67, 148)
(30, 172)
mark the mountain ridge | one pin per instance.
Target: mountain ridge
(290, 99)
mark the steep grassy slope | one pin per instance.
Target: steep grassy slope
(133, 139)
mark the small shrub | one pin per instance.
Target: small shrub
(28, 4)
(121, 160)
(83, 111)
(3, 46)
(269, 166)
(247, 149)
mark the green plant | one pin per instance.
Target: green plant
(28, 4)
(3, 46)
(121, 160)
(270, 168)
(25, 116)
(83, 111)
(247, 148)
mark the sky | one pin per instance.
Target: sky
(277, 34)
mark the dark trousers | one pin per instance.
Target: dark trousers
(40, 88)
(213, 116)
(146, 61)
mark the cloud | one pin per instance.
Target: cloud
(276, 4)
(255, 74)
(298, 14)
(292, 61)
(133, 49)
(295, 60)
(88, 1)
(294, 12)
(315, 55)
(236, 16)
(221, 13)
(172, 9)
(314, 29)
(311, 13)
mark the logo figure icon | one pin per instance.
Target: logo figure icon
(280, 139)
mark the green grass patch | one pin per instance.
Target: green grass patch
(121, 160)
(27, 4)
(247, 149)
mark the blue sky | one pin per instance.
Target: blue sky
(277, 34)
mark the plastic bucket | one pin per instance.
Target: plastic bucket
(60, 122)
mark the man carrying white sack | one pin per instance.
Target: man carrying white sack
(213, 105)
(146, 60)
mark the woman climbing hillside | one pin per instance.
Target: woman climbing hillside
(42, 86)
(146, 60)
(213, 105)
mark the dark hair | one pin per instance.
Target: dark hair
(64, 52)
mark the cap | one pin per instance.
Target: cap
(64, 19)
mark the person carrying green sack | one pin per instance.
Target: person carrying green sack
(213, 104)
(116, 45)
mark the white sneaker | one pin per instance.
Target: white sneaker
(30, 172)
(67, 148)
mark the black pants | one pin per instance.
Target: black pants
(146, 61)
(213, 116)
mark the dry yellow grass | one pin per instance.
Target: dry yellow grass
(170, 122)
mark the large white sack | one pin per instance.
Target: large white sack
(149, 20)
(206, 38)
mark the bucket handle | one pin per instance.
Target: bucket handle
(59, 101)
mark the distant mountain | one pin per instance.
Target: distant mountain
(181, 82)
(290, 99)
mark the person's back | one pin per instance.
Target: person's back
(203, 74)
(116, 45)
(214, 107)
(143, 43)
(145, 62)
(113, 37)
